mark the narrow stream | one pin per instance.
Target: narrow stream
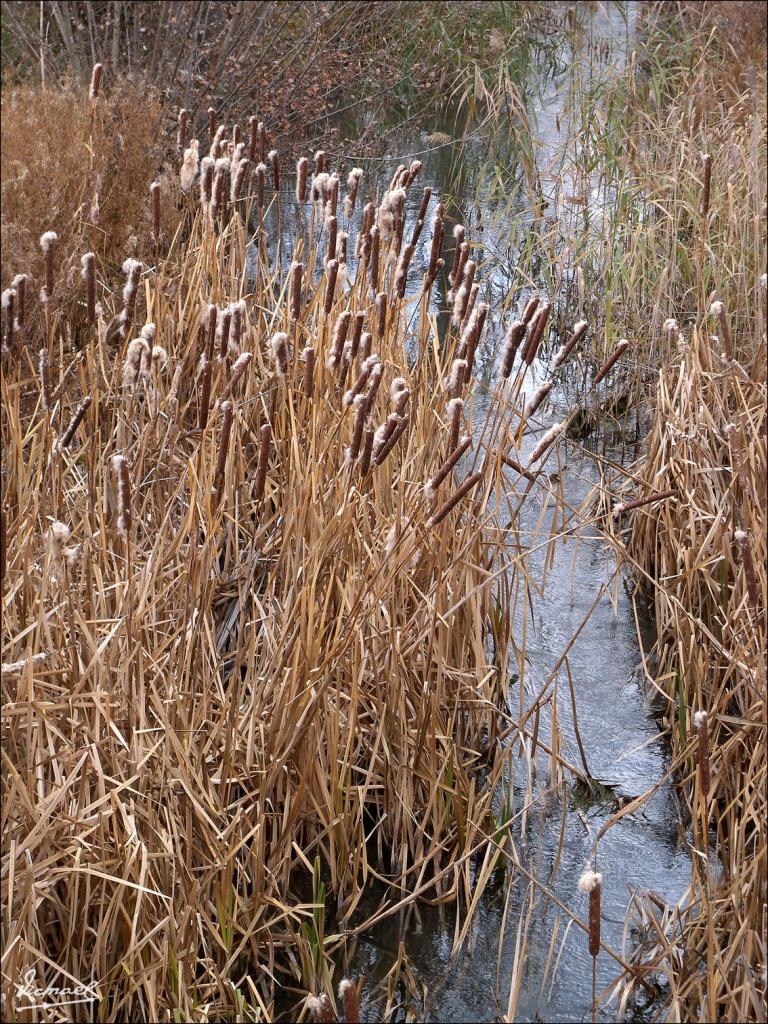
(623, 748)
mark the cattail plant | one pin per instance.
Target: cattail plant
(207, 165)
(309, 370)
(718, 309)
(362, 380)
(437, 241)
(579, 330)
(374, 258)
(96, 76)
(537, 333)
(462, 295)
(458, 236)
(339, 337)
(154, 193)
(274, 162)
(238, 180)
(706, 161)
(88, 274)
(365, 456)
(320, 161)
(744, 549)
(546, 441)
(253, 140)
(530, 308)
(460, 262)
(19, 285)
(8, 300)
(331, 226)
(48, 244)
(437, 517)
(138, 355)
(459, 373)
(591, 883)
(124, 512)
(357, 429)
(64, 556)
(227, 415)
(302, 171)
(45, 379)
(321, 1009)
(263, 463)
(216, 142)
(538, 396)
(454, 409)
(211, 123)
(612, 359)
(279, 346)
(296, 274)
(132, 270)
(514, 336)
(261, 134)
(224, 327)
(353, 183)
(206, 373)
(332, 271)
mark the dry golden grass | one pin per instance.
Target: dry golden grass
(247, 670)
(81, 169)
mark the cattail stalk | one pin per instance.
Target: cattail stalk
(48, 244)
(226, 324)
(455, 410)
(88, 274)
(390, 443)
(430, 489)
(239, 367)
(154, 192)
(125, 515)
(19, 285)
(227, 415)
(309, 371)
(274, 162)
(332, 270)
(205, 392)
(45, 379)
(622, 346)
(515, 335)
(96, 76)
(579, 330)
(9, 306)
(261, 468)
(628, 506)
(706, 160)
(349, 997)
(537, 332)
(365, 458)
(455, 498)
(302, 170)
(74, 423)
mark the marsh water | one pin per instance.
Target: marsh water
(581, 593)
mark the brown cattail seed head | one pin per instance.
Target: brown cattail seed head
(302, 170)
(349, 997)
(211, 122)
(227, 414)
(620, 349)
(296, 274)
(706, 160)
(96, 75)
(450, 504)
(263, 463)
(48, 244)
(9, 306)
(279, 346)
(332, 270)
(205, 392)
(120, 469)
(45, 378)
(154, 192)
(88, 274)
(591, 882)
(309, 371)
(514, 337)
(274, 162)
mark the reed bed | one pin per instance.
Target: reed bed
(693, 201)
(256, 603)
